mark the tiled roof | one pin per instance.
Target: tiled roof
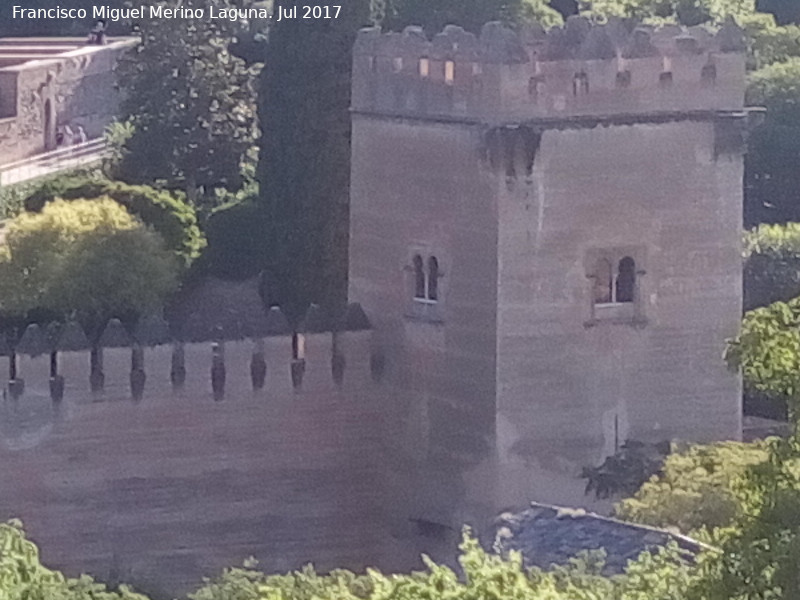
(547, 535)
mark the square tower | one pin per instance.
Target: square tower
(545, 234)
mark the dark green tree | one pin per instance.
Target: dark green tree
(304, 169)
(191, 104)
(772, 177)
(433, 15)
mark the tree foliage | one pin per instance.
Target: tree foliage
(190, 103)
(433, 15)
(91, 259)
(761, 555)
(768, 350)
(304, 163)
(685, 12)
(695, 489)
(23, 577)
(771, 264)
(167, 213)
(484, 576)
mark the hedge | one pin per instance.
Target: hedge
(167, 214)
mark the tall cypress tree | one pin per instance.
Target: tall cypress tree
(304, 164)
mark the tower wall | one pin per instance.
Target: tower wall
(524, 157)
(573, 389)
(163, 491)
(419, 188)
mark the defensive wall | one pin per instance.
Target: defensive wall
(47, 83)
(163, 483)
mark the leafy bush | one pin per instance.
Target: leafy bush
(761, 553)
(772, 264)
(89, 258)
(659, 576)
(237, 240)
(696, 488)
(22, 576)
(167, 214)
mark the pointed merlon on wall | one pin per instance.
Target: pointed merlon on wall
(582, 69)
(314, 321)
(277, 323)
(355, 319)
(115, 336)
(33, 342)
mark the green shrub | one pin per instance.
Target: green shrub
(23, 577)
(696, 488)
(237, 240)
(167, 214)
(771, 265)
(90, 258)
(484, 576)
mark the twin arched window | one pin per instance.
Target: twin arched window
(614, 287)
(426, 279)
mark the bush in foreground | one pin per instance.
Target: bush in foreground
(23, 577)
(88, 258)
(167, 214)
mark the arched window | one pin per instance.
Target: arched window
(433, 279)
(580, 84)
(419, 277)
(708, 74)
(602, 282)
(626, 280)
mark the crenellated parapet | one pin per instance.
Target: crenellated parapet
(583, 69)
(320, 352)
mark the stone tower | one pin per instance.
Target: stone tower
(545, 234)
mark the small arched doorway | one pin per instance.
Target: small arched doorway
(49, 126)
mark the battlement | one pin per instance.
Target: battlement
(319, 353)
(580, 70)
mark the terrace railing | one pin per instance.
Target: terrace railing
(55, 161)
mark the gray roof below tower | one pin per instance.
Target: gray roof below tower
(548, 535)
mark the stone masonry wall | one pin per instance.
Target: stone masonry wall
(573, 389)
(164, 491)
(80, 87)
(418, 188)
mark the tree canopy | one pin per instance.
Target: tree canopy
(433, 15)
(695, 488)
(190, 103)
(304, 163)
(90, 259)
(23, 577)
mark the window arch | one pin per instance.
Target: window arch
(580, 84)
(626, 279)
(708, 74)
(419, 277)
(433, 279)
(602, 282)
